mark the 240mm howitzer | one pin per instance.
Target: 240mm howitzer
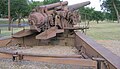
(54, 18)
(53, 26)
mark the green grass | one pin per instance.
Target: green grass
(5, 31)
(3, 21)
(104, 31)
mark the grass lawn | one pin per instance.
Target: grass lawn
(104, 31)
(3, 21)
(4, 30)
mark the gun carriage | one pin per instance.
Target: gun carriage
(54, 24)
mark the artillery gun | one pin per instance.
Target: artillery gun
(48, 20)
(53, 25)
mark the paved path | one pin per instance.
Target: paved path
(14, 25)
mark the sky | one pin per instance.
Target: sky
(94, 3)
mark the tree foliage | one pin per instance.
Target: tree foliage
(3, 7)
(21, 7)
(18, 7)
(108, 16)
(113, 7)
(90, 14)
(98, 16)
(33, 4)
(86, 13)
(45, 2)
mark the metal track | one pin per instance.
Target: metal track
(93, 55)
(95, 50)
(72, 60)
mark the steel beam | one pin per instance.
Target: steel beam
(72, 61)
(93, 49)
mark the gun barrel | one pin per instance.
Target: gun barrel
(77, 6)
(51, 6)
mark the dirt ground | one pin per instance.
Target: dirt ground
(51, 50)
(112, 45)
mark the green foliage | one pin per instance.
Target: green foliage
(107, 5)
(108, 16)
(90, 14)
(3, 8)
(98, 16)
(18, 7)
(33, 4)
(86, 13)
(45, 2)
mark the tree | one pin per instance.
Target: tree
(98, 16)
(112, 6)
(86, 13)
(45, 2)
(20, 7)
(108, 16)
(90, 14)
(3, 8)
(33, 4)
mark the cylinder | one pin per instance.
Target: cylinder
(77, 6)
(51, 6)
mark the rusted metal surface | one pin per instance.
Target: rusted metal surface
(23, 33)
(4, 42)
(88, 50)
(92, 49)
(57, 20)
(77, 6)
(57, 15)
(47, 34)
(59, 30)
(32, 41)
(3, 55)
(52, 56)
(74, 61)
(57, 60)
(52, 6)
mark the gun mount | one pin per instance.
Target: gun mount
(48, 20)
(77, 6)
(54, 18)
(55, 23)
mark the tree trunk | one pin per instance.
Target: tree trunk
(9, 16)
(97, 21)
(19, 20)
(116, 11)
